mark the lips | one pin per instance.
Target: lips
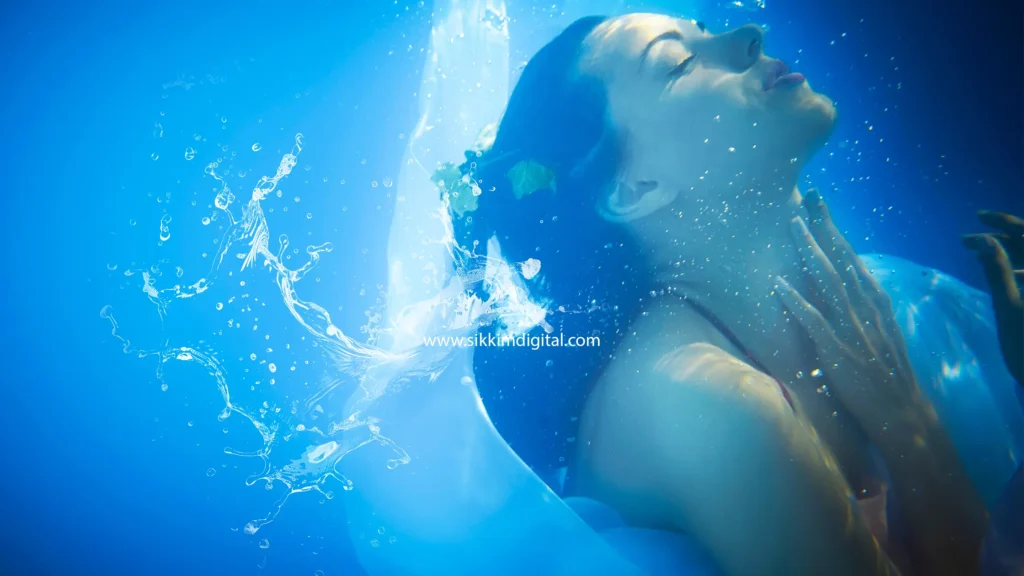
(778, 74)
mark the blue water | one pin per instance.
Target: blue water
(104, 471)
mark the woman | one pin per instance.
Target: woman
(750, 377)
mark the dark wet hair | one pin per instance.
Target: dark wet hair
(590, 267)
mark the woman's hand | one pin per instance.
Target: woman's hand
(849, 317)
(999, 253)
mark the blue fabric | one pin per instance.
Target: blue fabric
(950, 333)
(467, 504)
(653, 551)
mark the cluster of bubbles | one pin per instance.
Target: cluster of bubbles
(368, 371)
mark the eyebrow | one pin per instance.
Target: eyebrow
(668, 35)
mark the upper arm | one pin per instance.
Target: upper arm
(704, 443)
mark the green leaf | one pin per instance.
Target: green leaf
(462, 192)
(447, 175)
(528, 176)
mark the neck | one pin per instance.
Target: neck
(728, 263)
(726, 260)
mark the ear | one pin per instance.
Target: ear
(630, 202)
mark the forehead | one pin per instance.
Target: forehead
(620, 42)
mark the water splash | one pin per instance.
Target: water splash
(302, 458)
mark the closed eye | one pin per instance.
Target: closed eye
(683, 67)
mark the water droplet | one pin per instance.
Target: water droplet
(264, 543)
(375, 543)
(816, 373)
(388, 182)
(256, 147)
(154, 156)
(165, 228)
(272, 367)
(190, 153)
(800, 374)
(223, 120)
(163, 387)
(373, 184)
(220, 306)
(211, 472)
(206, 221)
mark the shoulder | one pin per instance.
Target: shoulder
(697, 386)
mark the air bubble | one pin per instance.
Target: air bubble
(190, 153)
(165, 228)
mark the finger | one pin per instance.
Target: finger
(860, 284)
(998, 270)
(1014, 246)
(876, 318)
(1007, 223)
(1006, 302)
(808, 317)
(827, 280)
(827, 235)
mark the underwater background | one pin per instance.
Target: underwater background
(113, 112)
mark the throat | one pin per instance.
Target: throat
(727, 265)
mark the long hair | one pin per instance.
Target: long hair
(593, 275)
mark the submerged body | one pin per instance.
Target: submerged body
(671, 155)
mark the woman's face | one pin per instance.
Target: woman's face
(701, 111)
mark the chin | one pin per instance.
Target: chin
(816, 116)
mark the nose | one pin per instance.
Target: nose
(741, 48)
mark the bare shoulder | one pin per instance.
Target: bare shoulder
(690, 437)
